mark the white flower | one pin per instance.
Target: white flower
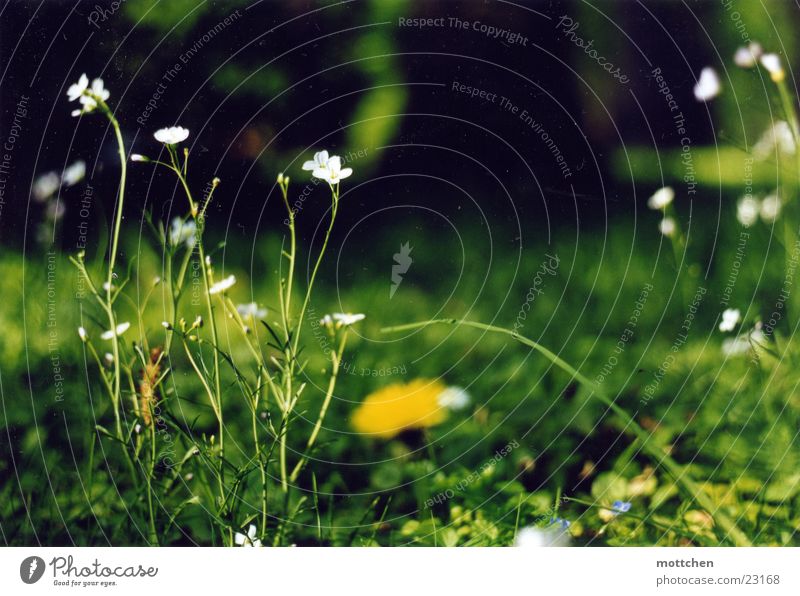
(137, 428)
(138, 157)
(109, 358)
(730, 318)
(82, 334)
(333, 172)
(76, 89)
(172, 135)
(747, 56)
(772, 63)
(708, 85)
(248, 539)
(74, 173)
(222, 285)
(320, 162)
(770, 208)
(454, 398)
(166, 325)
(99, 90)
(777, 137)
(121, 328)
(747, 210)
(45, 185)
(661, 198)
(326, 321)
(536, 537)
(183, 232)
(667, 227)
(347, 319)
(251, 310)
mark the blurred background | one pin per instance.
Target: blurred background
(489, 136)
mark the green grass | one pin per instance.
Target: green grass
(729, 423)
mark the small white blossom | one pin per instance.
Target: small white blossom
(770, 208)
(82, 334)
(661, 198)
(74, 173)
(730, 318)
(533, 537)
(99, 90)
(772, 62)
(76, 89)
(248, 539)
(667, 227)
(183, 232)
(454, 398)
(708, 85)
(778, 137)
(326, 321)
(333, 172)
(45, 186)
(747, 210)
(172, 135)
(347, 319)
(320, 162)
(121, 328)
(222, 285)
(138, 157)
(166, 325)
(137, 428)
(251, 310)
(747, 56)
(109, 358)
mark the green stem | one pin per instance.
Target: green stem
(680, 476)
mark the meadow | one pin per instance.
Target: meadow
(410, 376)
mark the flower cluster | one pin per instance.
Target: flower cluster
(327, 168)
(88, 96)
(750, 208)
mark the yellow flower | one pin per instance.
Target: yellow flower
(402, 406)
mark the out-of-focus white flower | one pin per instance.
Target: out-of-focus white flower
(172, 135)
(320, 162)
(82, 334)
(747, 210)
(747, 56)
(55, 210)
(139, 157)
(333, 172)
(109, 358)
(772, 62)
(248, 539)
(74, 173)
(770, 207)
(326, 321)
(45, 185)
(166, 325)
(745, 342)
(137, 428)
(778, 137)
(120, 329)
(708, 85)
(661, 198)
(454, 398)
(76, 89)
(251, 310)
(533, 537)
(347, 319)
(667, 227)
(730, 318)
(183, 232)
(222, 285)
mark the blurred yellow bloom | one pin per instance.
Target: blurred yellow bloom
(401, 406)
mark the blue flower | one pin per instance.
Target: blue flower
(621, 507)
(564, 523)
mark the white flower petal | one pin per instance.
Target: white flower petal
(74, 173)
(661, 198)
(172, 135)
(222, 285)
(708, 85)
